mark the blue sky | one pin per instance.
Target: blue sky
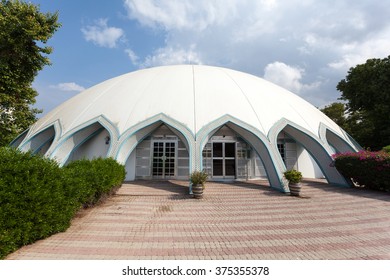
(306, 46)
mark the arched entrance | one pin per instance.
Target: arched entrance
(318, 154)
(295, 156)
(94, 145)
(39, 143)
(155, 151)
(228, 156)
(91, 141)
(160, 155)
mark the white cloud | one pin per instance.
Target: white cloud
(315, 41)
(284, 75)
(133, 57)
(357, 53)
(346, 61)
(287, 76)
(102, 35)
(180, 14)
(68, 87)
(171, 56)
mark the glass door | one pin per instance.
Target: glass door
(224, 159)
(164, 159)
(170, 159)
(217, 159)
(230, 159)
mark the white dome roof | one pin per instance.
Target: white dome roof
(193, 95)
(114, 117)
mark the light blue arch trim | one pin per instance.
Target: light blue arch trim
(29, 138)
(90, 136)
(123, 152)
(145, 128)
(330, 173)
(43, 144)
(102, 120)
(353, 146)
(273, 166)
(353, 141)
(209, 129)
(20, 138)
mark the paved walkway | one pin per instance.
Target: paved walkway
(159, 220)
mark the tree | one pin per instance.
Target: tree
(24, 32)
(336, 112)
(352, 123)
(366, 89)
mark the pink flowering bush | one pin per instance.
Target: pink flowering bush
(366, 168)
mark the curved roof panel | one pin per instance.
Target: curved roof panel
(194, 95)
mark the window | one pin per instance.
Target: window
(281, 148)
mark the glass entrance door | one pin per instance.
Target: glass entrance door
(164, 159)
(224, 159)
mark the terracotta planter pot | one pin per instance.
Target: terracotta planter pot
(197, 190)
(295, 188)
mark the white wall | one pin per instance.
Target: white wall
(258, 170)
(290, 151)
(130, 167)
(307, 165)
(94, 147)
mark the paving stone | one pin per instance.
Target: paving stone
(240, 220)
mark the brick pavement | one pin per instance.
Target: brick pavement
(159, 220)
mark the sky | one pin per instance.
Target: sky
(305, 46)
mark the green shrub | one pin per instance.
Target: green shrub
(368, 169)
(38, 198)
(92, 179)
(293, 176)
(198, 178)
(386, 149)
(33, 201)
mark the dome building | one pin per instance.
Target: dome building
(165, 122)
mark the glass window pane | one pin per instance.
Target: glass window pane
(217, 149)
(230, 149)
(217, 167)
(230, 167)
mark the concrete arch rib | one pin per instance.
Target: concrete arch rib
(259, 142)
(19, 139)
(42, 140)
(333, 139)
(70, 141)
(129, 140)
(317, 148)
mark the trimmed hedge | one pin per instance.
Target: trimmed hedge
(386, 149)
(368, 169)
(33, 201)
(94, 178)
(38, 198)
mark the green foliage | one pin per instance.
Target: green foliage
(386, 149)
(368, 169)
(354, 123)
(33, 200)
(38, 198)
(94, 178)
(336, 112)
(367, 92)
(293, 176)
(24, 32)
(198, 177)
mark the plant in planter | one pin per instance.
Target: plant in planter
(294, 178)
(198, 179)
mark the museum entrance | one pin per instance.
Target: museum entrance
(227, 156)
(224, 160)
(164, 159)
